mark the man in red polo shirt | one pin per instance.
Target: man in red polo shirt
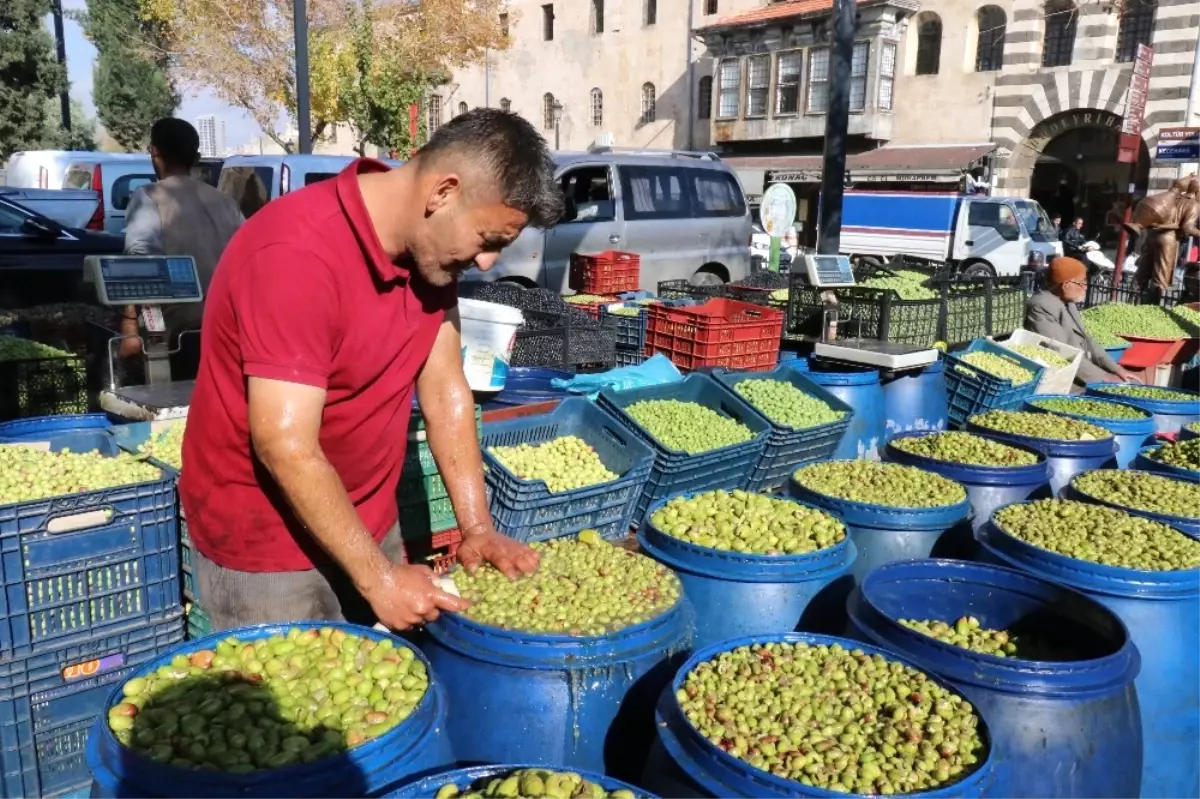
(327, 309)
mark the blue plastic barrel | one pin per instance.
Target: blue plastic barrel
(1145, 463)
(1116, 352)
(1130, 434)
(915, 399)
(555, 699)
(1188, 524)
(1161, 610)
(1061, 728)
(988, 487)
(862, 391)
(1066, 458)
(883, 534)
(736, 594)
(1169, 415)
(416, 745)
(427, 787)
(717, 773)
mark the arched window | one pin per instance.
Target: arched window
(506, 105)
(597, 108)
(462, 108)
(1137, 26)
(648, 103)
(989, 52)
(548, 111)
(704, 98)
(929, 43)
(1059, 41)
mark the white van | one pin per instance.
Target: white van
(683, 213)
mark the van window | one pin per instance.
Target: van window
(11, 223)
(316, 177)
(997, 216)
(124, 187)
(653, 192)
(249, 186)
(208, 172)
(79, 176)
(716, 193)
(590, 189)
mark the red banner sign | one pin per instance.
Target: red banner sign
(1129, 145)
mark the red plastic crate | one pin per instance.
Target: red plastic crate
(721, 332)
(442, 561)
(608, 272)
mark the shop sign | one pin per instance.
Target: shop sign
(793, 176)
(1178, 145)
(904, 177)
(1130, 142)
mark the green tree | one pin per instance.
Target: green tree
(81, 136)
(29, 75)
(132, 85)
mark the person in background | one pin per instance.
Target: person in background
(177, 215)
(1057, 220)
(332, 305)
(1073, 238)
(1054, 313)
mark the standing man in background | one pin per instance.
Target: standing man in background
(178, 215)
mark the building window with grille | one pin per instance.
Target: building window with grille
(929, 43)
(548, 111)
(887, 76)
(597, 108)
(710, 7)
(548, 22)
(704, 98)
(858, 75)
(597, 17)
(1059, 40)
(989, 51)
(651, 16)
(818, 80)
(435, 113)
(504, 25)
(649, 103)
(787, 82)
(731, 78)
(506, 105)
(1137, 27)
(758, 85)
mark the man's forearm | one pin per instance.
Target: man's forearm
(454, 442)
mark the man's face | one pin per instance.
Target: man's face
(1078, 224)
(1073, 290)
(157, 161)
(462, 230)
(1057, 221)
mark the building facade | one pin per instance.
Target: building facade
(211, 129)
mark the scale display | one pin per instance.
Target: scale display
(144, 279)
(829, 271)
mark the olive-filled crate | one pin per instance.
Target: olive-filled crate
(607, 272)
(74, 564)
(677, 472)
(685, 289)
(528, 511)
(789, 447)
(721, 332)
(629, 332)
(48, 701)
(974, 307)
(556, 341)
(862, 313)
(43, 387)
(970, 390)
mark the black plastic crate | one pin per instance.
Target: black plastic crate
(43, 387)
(555, 341)
(684, 289)
(862, 313)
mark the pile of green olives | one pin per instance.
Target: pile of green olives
(889, 484)
(688, 426)
(564, 464)
(21, 349)
(1141, 490)
(784, 404)
(1107, 323)
(1147, 392)
(625, 310)
(834, 718)
(967, 633)
(1043, 355)
(167, 446)
(1181, 454)
(1090, 408)
(1048, 426)
(533, 783)
(28, 474)
(958, 447)
(740, 521)
(997, 366)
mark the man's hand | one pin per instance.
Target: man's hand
(1128, 377)
(510, 557)
(406, 596)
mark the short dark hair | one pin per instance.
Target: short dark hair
(512, 151)
(176, 141)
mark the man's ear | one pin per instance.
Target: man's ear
(444, 191)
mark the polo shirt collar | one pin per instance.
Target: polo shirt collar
(351, 199)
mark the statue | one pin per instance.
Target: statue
(1166, 219)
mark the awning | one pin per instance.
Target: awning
(891, 164)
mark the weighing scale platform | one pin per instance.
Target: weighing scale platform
(149, 403)
(880, 354)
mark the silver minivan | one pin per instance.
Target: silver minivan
(683, 213)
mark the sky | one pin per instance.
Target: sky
(239, 127)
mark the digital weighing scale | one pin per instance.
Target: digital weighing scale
(148, 282)
(834, 271)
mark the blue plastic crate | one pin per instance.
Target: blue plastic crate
(527, 511)
(969, 394)
(676, 472)
(71, 565)
(627, 331)
(627, 357)
(48, 702)
(790, 447)
(40, 428)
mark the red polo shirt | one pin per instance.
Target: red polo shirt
(304, 293)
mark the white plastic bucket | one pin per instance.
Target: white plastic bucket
(488, 333)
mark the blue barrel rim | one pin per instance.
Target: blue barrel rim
(544, 652)
(728, 565)
(1084, 575)
(106, 741)
(670, 704)
(410, 788)
(1053, 447)
(865, 514)
(1034, 474)
(20, 429)
(1163, 407)
(935, 368)
(1143, 462)
(844, 375)
(1117, 426)
(1173, 521)
(1007, 674)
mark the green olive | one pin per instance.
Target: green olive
(28, 474)
(740, 521)
(564, 464)
(958, 447)
(688, 426)
(890, 484)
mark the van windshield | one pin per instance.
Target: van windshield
(1036, 220)
(249, 186)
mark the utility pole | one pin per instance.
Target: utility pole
(303, 111)
(837, 122)
(64, 96)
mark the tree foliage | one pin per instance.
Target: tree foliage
(30, 76)
(132, 86)
(81, 136)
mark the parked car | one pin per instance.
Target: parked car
(255, 180)
(684, 214)
(66, 207)
(209, 170)
(42, 169)
(114, 178)
(42, 260)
